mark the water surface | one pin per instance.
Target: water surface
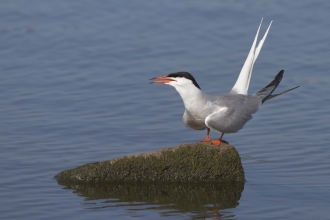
(74, 89)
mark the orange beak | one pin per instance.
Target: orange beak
(161, 80)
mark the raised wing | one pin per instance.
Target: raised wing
(242, 84)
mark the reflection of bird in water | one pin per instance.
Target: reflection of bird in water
(223, 113)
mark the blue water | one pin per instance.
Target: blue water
(74, 89)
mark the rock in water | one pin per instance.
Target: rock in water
(183, 163)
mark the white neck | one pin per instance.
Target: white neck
(192, 96)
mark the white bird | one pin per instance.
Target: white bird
(222, 113)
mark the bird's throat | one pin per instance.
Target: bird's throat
(193, 98)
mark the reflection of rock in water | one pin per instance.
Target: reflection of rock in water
(184, 197)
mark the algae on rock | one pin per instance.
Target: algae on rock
(183, 163)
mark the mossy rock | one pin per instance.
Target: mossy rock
(183, 163)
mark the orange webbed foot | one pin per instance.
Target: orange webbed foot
(207, 139)
(216, 142)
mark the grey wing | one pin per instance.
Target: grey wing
(191, 122)
(234, 116)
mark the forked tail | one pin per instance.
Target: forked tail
(266, 92)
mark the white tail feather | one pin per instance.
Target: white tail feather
(242, 84)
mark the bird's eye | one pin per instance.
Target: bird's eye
(180, 75)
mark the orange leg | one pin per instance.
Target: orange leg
(207, 138)
(218, 142)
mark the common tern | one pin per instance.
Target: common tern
(223, 113)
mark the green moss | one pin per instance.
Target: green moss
(187, 162)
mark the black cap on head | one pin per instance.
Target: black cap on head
(184, 75)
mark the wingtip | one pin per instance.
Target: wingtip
(280, 74)
(270, 24)
(261, 22)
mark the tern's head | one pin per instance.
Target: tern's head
(179, 79)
